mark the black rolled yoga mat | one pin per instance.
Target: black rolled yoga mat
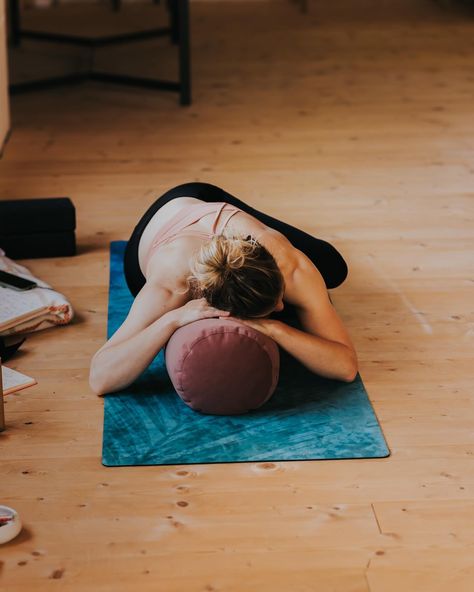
(308, 417)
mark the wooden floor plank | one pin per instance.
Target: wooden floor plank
(353, 122)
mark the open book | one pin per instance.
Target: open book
(15, 381)
(17, 307)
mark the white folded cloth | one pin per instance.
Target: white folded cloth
(51, 307)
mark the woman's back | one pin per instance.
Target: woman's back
(189, 222)
(157, 222)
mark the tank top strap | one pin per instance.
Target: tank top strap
(216, 219)
(233, 210)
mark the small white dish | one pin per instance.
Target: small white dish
(10, 524)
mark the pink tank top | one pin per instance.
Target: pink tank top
(177, 223)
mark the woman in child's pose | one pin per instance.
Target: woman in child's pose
(198, 252)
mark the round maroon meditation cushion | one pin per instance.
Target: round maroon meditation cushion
(221, 366)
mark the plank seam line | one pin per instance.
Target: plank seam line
(376, 519)
(366, 578)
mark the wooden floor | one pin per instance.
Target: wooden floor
(354, 122)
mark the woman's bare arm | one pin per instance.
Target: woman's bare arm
(135, 344)
(154, 316)
(324, 345)
(331, 359)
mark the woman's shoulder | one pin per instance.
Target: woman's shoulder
(285, 254)
(292, 262)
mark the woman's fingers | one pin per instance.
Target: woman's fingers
(202, 308)
(218, 313)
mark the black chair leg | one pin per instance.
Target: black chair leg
(14, 9)
(184, 51)
(173, 8)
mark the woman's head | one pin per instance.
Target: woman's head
(237, 274)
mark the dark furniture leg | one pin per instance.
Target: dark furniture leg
(14, 10)
(184, 52)
(173, 8)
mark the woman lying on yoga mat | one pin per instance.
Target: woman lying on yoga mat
(199, 252)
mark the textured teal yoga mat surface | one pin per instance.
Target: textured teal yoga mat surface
(308, 417)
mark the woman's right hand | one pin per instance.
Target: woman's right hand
(195, 310)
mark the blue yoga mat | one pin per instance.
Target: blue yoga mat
(308, 417)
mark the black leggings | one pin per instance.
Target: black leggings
(329, 262)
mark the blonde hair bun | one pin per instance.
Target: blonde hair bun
(236, 273)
